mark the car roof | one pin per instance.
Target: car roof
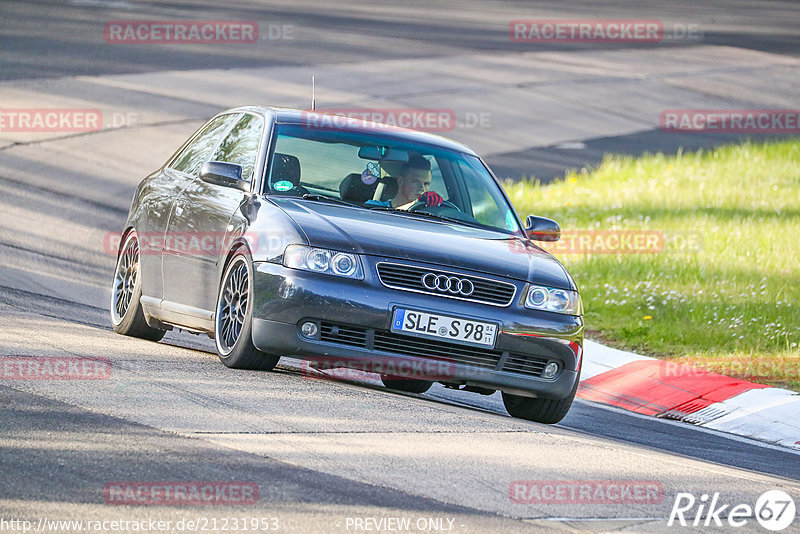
(298, 116)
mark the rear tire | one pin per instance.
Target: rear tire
(547, 411)
(406, 384)
(233, 332)
(127, 316)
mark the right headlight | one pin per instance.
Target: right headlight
(322, 260)
(554, 300)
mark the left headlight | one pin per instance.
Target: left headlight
(322, 260)
(554, 300)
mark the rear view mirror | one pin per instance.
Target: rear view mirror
(224, 174)
(383, 153)
(542, 228)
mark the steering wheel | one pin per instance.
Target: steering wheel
(420, 204)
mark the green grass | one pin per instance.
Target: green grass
(728, 302)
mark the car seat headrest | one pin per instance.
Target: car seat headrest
(353, 189)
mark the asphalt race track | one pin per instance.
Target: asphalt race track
(328, 454)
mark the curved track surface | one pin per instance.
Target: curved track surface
(327, 452)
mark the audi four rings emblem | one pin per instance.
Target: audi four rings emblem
(448, 284)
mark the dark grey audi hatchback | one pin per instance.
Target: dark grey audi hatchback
(354, 244)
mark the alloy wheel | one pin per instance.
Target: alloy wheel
(125, 278)
(232, 308)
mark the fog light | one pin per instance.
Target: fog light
(550, 370)
(308, 329)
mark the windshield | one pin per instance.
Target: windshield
(374, 171)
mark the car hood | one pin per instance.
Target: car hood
(404, 237)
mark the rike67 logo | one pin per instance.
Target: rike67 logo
(774, 510)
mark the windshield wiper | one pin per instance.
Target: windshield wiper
(432, 216)
(312, 196)
(475, 224)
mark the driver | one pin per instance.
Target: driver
(413, 184)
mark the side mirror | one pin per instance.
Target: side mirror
(224, 174)
(542, 228)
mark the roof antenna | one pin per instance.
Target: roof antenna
(313, 99)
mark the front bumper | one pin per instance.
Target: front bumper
(354, 320)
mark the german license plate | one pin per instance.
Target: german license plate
(434, 325)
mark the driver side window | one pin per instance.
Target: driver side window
(196, 153)
(241, 144)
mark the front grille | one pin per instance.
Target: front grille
(525, 365)
(346, 335)
(409, 278)
(386, 341)
(436, 350)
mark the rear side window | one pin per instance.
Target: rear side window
(196, 153)
(324, 165)
(240, 146)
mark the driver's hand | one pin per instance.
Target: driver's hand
(432, 199)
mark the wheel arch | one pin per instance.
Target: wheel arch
(123, 236)
(237, 245)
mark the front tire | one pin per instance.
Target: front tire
(233, 333)
(127, 316)
(547, 411)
